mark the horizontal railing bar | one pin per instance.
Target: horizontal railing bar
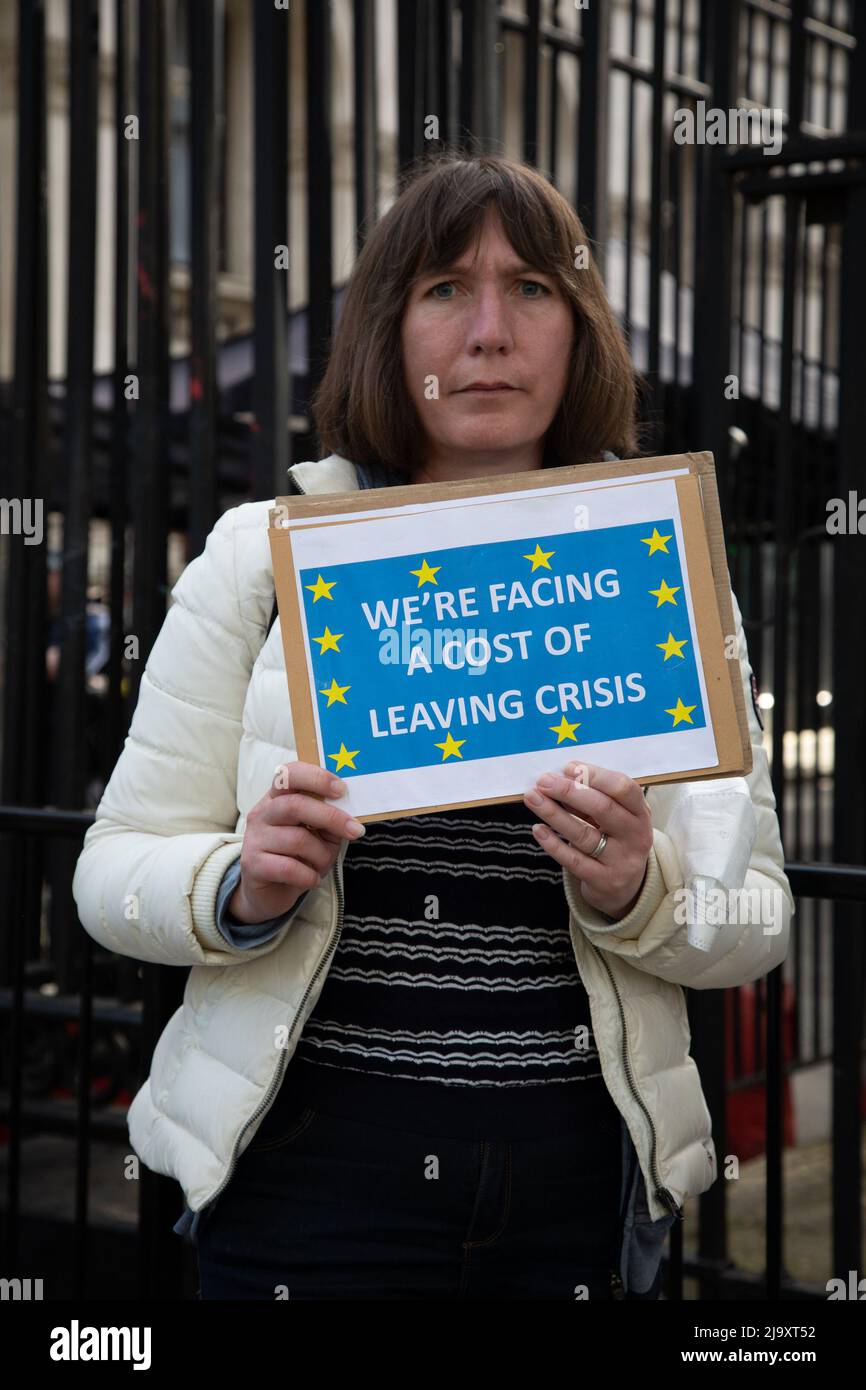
(833, 881)
(676, 82)
(68, 1006)
(798, 150)
(745, 1282)
(819, 29)
(759, 186)
(561, 39)
(43, 820)
(60, 1115)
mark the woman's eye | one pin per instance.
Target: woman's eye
(434, 288)
(536, 284)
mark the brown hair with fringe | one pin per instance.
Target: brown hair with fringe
(362, 409)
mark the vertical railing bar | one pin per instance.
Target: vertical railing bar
(81, 282)
(744, 209)
(782, 528)
(782, 511)
(26, 763)
(849, 681)
(554, 48)
(117, 714)
(363, 96)
(629, 185)
(480, 95)
(270, 387)
(739, 471)
(713, 278)
(749, 18)
(675, 439)
(202, 18)
(408, 95)
(83, 1131)
(713, 304)
(592, 131)
(796, 65)
(774, 1120)
(319, 207)
(802, 662)
(447, 72)
(736, 1024)
(83, 74)
(818, 972)
(828, 84)
(697, 226)
(658, 182)
(10, 1216)
(150, 472)
(677, 242)
(158, 1253)
(531, 58)
(824, 714)
(431, 84)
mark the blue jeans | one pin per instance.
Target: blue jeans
(321, 1206)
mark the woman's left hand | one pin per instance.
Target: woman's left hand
(580, 802)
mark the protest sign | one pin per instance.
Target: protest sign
(447, 643)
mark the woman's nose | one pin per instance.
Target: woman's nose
(489, 325)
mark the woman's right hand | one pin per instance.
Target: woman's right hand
(291, 841)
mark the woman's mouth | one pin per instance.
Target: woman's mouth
(485, 390)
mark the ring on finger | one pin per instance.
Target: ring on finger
(599, 849)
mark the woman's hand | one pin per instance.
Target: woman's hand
(581, 802)
(291, 841)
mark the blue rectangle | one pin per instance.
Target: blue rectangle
(631, 673)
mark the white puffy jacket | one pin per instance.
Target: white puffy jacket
(212, 722)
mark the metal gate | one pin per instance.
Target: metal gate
(738, 275)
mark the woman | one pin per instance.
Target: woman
(491, 1093)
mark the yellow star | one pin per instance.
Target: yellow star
(451, 746)
(672, 647)
(681, 712)
(666, 594)
(426, 575)
(321, 590)
(540, 558)
(564, 730)
(329, 641)
(335, 692)
(344, 758)
(655, 542)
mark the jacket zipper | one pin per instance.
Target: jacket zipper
(662, 1193)
(283, 1062)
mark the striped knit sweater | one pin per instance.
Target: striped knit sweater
(453, 1001)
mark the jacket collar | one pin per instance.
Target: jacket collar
(331, 474)
(338, 474)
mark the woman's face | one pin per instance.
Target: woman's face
(487, 319)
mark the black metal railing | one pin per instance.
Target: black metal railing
(728, 268)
